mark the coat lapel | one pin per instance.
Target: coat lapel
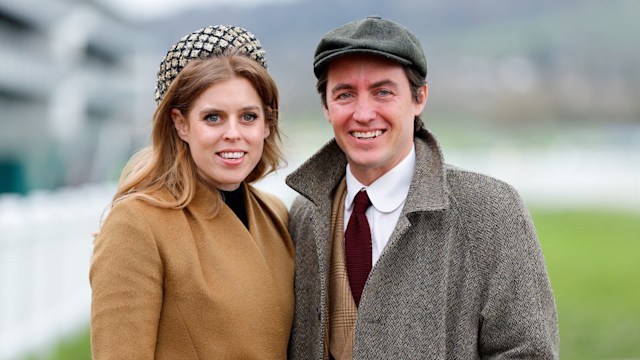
(428, 191)
(316, 180)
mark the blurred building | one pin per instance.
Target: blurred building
(73, 77)
(76, 95)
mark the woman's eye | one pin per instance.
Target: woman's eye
(212, 118)
(249, 117)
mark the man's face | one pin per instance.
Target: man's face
(371, 109)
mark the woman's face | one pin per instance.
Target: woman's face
(225, 129)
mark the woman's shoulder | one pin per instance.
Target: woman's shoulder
(140, 208)
(137, 217)
(144, 202)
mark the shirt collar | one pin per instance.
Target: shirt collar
(390, 190)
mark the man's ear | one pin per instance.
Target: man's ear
(326, 113)
(423, 93)
(181, 124)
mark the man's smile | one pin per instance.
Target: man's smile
(366, 134)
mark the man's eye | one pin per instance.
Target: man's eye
(212, 118)
(344, 96)
(384, 92)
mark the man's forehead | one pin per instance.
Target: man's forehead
(363, 60)
(354, 69)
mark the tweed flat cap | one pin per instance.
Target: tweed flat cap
(372, 35)
(203, 43)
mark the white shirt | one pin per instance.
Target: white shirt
(387, 194)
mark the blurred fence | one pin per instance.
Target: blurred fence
(564, 176)
(45, 249)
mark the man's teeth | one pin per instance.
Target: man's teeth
(367, 134)
(232, 155)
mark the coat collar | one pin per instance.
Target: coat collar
(317, 178)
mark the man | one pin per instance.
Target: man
(445, 264)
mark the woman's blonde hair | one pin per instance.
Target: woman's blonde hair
(167, 162)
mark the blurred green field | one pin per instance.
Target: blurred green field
(593, 259)
(74, 348)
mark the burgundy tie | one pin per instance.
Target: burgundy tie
(357, 246)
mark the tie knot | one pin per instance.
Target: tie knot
(361, 202)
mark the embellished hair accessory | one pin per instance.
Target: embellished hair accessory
(203, 43)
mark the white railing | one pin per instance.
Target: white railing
(45, 248)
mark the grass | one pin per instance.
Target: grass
(593, 259)
(76, 347)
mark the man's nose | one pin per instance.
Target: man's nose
(363, 111)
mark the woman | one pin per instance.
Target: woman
(192, 262)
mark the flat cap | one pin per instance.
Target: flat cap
(372, 35)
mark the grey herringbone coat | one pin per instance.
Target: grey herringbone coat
(462, 277)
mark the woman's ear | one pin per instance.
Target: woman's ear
(267, 130)
(181, 124)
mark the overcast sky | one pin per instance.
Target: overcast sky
(149, 9)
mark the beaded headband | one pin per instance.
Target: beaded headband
(204, 43)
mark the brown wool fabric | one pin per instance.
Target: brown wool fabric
(357, 245)
(342, 313)
(179, 284)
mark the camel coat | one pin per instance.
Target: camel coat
(177, 284)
